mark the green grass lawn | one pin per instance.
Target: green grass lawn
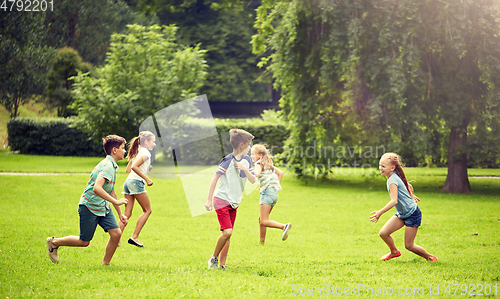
(332, 242)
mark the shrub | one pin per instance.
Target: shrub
(50, 136)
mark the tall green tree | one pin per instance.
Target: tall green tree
(65, 65)
(399, 73)
(224, 28)
(145, 71)
(86, 26)
(23, 58)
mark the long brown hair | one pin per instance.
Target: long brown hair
(395, 160)
(136, 141)
(267, 158)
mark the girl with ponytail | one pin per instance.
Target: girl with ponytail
(408, 213)
(269, 184)
(138, 166)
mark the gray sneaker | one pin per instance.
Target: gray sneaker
(52, 251)
(213, 262)
(223, 267)
(288, 226)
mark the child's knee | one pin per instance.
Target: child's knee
(115, 233)
(261, 221)
(409, 246)
(227, 233)
(85, 243)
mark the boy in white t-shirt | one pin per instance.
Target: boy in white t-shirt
(233, 171)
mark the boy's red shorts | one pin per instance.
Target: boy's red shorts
(225, 213)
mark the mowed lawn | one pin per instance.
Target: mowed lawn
(332, 247)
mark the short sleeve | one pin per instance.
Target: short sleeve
(250, 165)
(106, 171)
(224, 165)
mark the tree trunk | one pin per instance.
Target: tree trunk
(457, 180)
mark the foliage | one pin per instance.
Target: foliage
(403, 74)
(66, 64)
(145, 72)
(50, 136)
(23, 59)
(207, 151)
(86, 26)
(224, 29)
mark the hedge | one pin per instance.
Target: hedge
(58, 137)
(50, 136)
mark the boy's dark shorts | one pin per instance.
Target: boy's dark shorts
(89, 222)
(415, 219)
(225, 213)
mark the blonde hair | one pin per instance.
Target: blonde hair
(395, 160)
(136, 141)
(238, 136)
(267, 158)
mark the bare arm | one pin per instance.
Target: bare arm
(393, 189)
(279, 173)
(99, 191)
(410, 187)
(135, 167)
(209, 204)
(129, 166)
(251, 178)
(122, 217)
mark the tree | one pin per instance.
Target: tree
(86, 26)
(224, 28)
(399, 73)
(145, 72)
(66, 64)
(23, 58)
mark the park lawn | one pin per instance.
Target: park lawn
(331, 244)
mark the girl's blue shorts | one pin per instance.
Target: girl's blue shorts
(415, 219)
(269, 197)
(132, 187)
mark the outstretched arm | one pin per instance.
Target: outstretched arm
(393, 189)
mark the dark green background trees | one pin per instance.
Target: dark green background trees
(415, 76)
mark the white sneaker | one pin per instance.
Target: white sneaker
(213, 262)
(288, 226)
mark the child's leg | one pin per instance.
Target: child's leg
(392, 225)
(410, 234)
(223, 253)
(128, 211)
(143, 200)
(114, 236)
(72, 241)
(221, 242)
(264, 222)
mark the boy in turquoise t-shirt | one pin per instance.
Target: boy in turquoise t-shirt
(94, 204)
(233, 171)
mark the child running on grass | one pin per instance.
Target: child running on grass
(233, 171)
(270, 178)
(408, 213)
(139, 156)
(94, 206)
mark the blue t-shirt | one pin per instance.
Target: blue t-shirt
(406, 204)
(232, 180)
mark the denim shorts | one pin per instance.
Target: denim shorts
(89, 222)
(414, 220)
(132, 187)
(269, 197)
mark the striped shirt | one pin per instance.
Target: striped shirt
(267, 179)
(96, 204)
